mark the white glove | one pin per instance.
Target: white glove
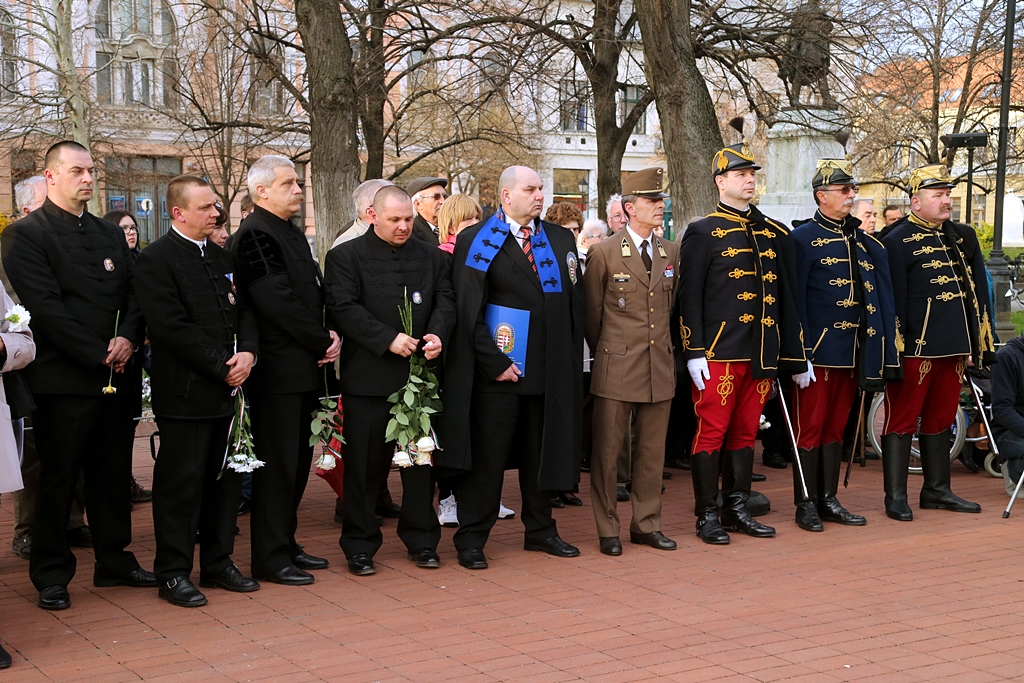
(804, 379)
(698, 369)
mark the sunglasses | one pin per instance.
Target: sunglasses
(845, 189)
(437, 196)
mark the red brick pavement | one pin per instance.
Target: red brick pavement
(939, 599)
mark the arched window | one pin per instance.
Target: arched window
(118, 19)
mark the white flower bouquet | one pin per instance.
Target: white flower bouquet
(18, 317)
(240, 455)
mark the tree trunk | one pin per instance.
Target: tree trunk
(76, 107)
(334, 145)
(689, 123)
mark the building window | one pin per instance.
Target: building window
(135, 17)
(138, 185)
(572, 185)
(631, 95)
(104, 78)
(573, 100)
(138, 82)
(8, 57)
(169, 77)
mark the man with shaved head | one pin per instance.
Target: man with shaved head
(514, 379)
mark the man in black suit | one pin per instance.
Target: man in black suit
(204, 343)
(73, 272)
(428, 197)
(278, 276)
(367, 281)
(494, 409)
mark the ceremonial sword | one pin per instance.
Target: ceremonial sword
(856, 433)
(792, 439)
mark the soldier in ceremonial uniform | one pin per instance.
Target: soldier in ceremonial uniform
(494, 410)
(630, 291)
(941, 293)
(739, 328)
(846, 309)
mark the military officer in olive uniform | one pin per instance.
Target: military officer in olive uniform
(941, 294)
(739, 328)
(630, 287)
(847, 313)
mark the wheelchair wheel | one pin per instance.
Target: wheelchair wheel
(876, 421)
(993, 468)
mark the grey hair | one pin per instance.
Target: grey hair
(627, 199)
(25, 191)
(594, 226)
(858, 202)
(363, 195)
(262, 172)
(611, 200)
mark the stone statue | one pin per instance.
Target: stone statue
(806, 58)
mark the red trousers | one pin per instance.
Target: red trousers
(821, 411)
(729, 407)
(930, 390)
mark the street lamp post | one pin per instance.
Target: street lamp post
(997, 260)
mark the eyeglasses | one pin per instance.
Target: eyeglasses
(437, 196)
(129, 228)
(845, 189)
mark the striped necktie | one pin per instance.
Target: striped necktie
(524, 235)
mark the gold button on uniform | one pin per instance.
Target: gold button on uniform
(652, 327)
(621, 289)
(652, 295)
(652, 310)
(652, 342)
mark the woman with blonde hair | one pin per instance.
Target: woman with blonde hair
(457, 213)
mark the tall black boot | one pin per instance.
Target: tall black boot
(806, 508)
(895, 461)
(738, 467)
(936, 494)
(829, 508)
(704, 467)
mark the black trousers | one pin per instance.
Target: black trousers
(682, 421)
(367, 459)
(280, 431)
(90, 434)
(188, 497)
(503, 424)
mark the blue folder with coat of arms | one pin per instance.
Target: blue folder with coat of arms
(510, 330)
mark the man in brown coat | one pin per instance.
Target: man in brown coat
(630, 288)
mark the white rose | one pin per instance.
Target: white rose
(425, 445)
(402, 459)
(423, 458)
(326, 462)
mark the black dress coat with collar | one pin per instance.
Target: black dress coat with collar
(194, 316)
(554, 364)
(366, 281)
(422, 231)
(74, 275)
(276, 272)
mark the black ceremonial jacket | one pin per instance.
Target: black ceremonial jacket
(275, 270)
(554, 364)
(735, 297)
(366, 281)
(941, 293)
(193, 316)
(73, 275)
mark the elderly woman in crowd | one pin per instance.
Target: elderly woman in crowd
(16, 351)
(567, 215)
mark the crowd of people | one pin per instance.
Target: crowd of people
(617, 351)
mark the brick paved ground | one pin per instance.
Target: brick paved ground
(940, 599)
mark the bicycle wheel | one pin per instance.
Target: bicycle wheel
(876, 420)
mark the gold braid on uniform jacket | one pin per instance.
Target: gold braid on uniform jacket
(986, 340)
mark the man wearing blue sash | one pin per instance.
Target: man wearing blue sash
(504, 408)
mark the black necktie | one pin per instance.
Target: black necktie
(645, 256)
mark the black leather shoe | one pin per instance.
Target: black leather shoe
(425, 558)
(230, 580)
(139, 494)
(610, 545)
(361, 564)
(665, 474)
(773, 459)
(472, 558)
(308, 562)
(289, 576)
(758, 477)
(54, 598)
(80, 537)
(22, 546)
(138, 578)
(895, 460)
(830, 510)
(655, 539)
(556, 503)
(621, 494)
(391, 510)
(935, 493)
(244, 506)
(710, 530)
(570, 498)
(807, 517)
(5, 658)
(180, 591)
(678, 463)
(553, 546)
